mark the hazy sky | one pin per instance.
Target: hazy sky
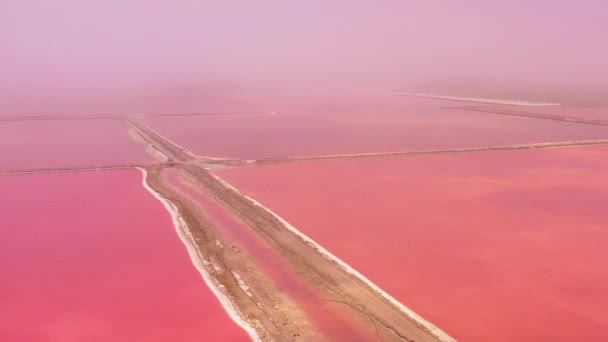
(54, 48)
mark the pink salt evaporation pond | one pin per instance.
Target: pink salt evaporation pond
(489, 246)
(92, 256)
(331, 133)
(66, 144)
(300, 99)
(162, 101)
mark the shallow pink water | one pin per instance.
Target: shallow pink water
(160, 101)
(92, 256)
(492, 246)
(66, 143)
(327, 133)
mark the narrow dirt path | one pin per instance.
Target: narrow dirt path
(559, 144)
(535, 115)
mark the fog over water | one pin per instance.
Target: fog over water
(67, 56)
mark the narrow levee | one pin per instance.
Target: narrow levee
(537, 114)
(238, 282)
(560, 144)
(276, 306)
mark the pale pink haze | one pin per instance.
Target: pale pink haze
(118, 55)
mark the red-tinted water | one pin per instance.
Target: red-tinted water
(361, 132)
(92, 256)
(330, 317)
(66, 143)
(492, 246)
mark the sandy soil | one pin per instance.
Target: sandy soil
(333, 319)
(273, 316)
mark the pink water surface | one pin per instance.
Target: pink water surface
(92, 256)
(66, 143)
(174, 100)
(327, 133)
(490, 246)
